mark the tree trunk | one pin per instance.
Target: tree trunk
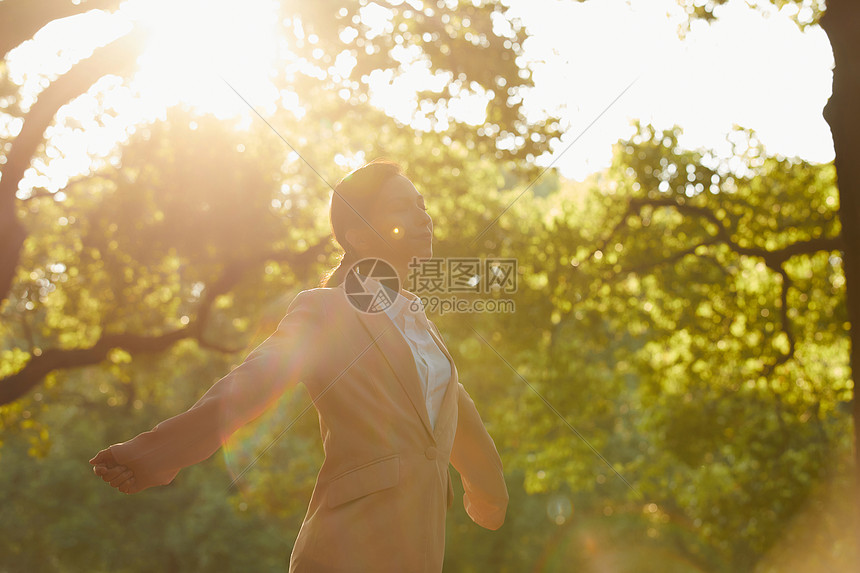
(841, 21)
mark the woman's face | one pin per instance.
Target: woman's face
(402, 229)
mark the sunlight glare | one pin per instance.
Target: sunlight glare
(194, 43)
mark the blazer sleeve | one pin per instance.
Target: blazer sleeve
(474, 455)
(280, 362)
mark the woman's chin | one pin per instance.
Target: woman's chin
(420, 255)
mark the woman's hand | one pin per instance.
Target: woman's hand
(117, 475)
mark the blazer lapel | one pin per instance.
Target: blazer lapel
(399, 356)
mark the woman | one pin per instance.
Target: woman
(392, 412)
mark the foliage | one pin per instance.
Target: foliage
(684, 315)
(663, 369)
(697, 340)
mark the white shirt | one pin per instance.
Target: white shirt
(434, 368)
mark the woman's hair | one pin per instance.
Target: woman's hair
(353, 198)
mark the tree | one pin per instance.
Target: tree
(462, 42)
(839, 20)
(697, 339)
(688, 320)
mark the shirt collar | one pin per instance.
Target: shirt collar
(400, 305)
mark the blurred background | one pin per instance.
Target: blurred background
(660, 170)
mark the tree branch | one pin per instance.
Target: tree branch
(671, 259)
(16, 385)
(786, 325)
(38, 194)
(772, 258)
(21, 19)
(115, 58)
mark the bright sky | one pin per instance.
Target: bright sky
(755, 70)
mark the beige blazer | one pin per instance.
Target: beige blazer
(384, 489)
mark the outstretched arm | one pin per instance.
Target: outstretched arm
(474, 455)
(281, 361)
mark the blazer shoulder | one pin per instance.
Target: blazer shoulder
(319, 295)
(320, 291)
(321, 299)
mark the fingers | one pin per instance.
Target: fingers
(104, 457)
(121, 478)
(110, 474)
(126, 487)
(99, 470)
